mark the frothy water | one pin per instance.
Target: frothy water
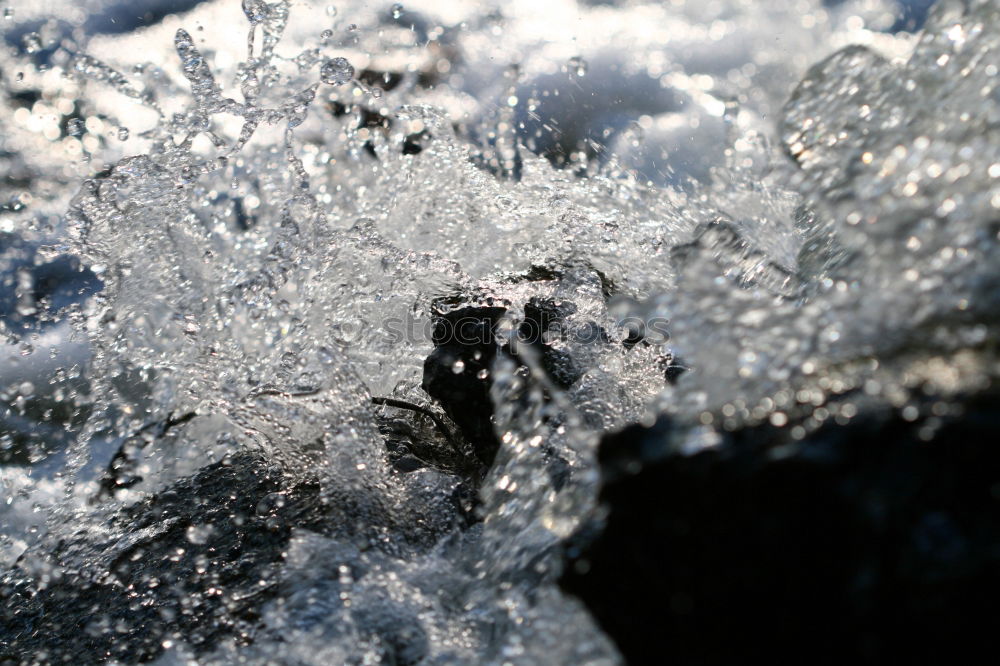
(278, 231)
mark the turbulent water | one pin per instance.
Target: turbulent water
(259, 211)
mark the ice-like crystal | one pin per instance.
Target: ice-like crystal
(256, 11)
(336, 72)
(206, 91)
(93, 68)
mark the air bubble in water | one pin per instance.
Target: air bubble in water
(397, 10)
(376, 93)
(336, 72)
(331, 10)
(256, 11)
(123, 134)
(8, 13)
(75, 127)
(577, 66)
(327, 34)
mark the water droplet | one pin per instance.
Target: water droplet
(327, 34)
(32, 42)
(336, 72)
(458, 366)
(270, 504)
(16, 202)
(199, 534)
(256, 11)
(8, 13)
(397, 10)
(123, 134)
(331, 10)
(577, 66)
(352, 27)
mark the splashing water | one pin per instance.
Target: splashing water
(272, 270)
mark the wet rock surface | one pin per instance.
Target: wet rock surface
(196, 562)
(192, 562)
(867, 542)
(537, 319)
(457, 373)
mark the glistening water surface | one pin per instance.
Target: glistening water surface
(273, 232)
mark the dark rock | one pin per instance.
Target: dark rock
(873, 542)
(456, 373)
(674, 370)
(560, 367)
(542, 313)
(197, 562)
(539, 316)
(160, 583)
(387, 81)
(414, 143)
(417, 438)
